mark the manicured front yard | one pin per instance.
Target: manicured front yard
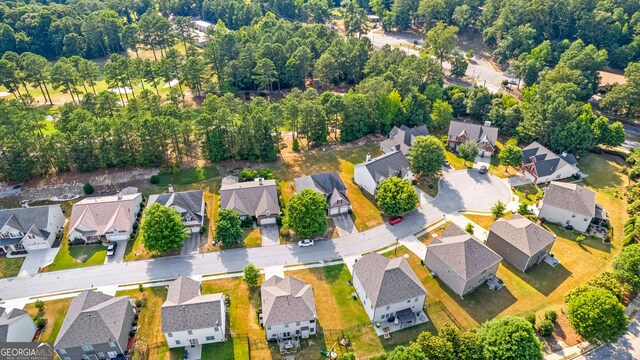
(150, 323)
(485, 220)
(10, 267)
(528, 194)
(75, 256)
(252, 237)
(54, 312)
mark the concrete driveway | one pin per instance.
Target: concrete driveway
(119, 255)
(191, 245)
(470, 190)
(344, 224)
(270, 235)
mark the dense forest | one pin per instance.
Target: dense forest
(333, 88)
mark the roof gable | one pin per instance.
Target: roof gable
(528, 237)
(473, 131)
(570, 197)
(287, 300)
(253, 198)
(387, 165)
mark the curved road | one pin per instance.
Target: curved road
(459, 190)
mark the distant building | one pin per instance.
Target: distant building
(200, 30)
(16, 326)
(331, 186)
(484, 135)
(97, 326)
(289, 308)
(541, 165)
(189, 318)
(401, 138)
(257, 199)
(568, 204)
(202, 25)
(460, 260)
(104, 217)
(189, 204)
(32, 228)
(371, 172)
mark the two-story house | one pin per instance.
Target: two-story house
(331, 186)
(568, 204)
(288, 308)
(29, 229)
(483, 135)
(371, 172)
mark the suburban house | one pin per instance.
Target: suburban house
(31, 228)
(520, 242)
(401, 138)
(16, 326)
(460, 260)
(189, 204)
(331, 186)
(189, 318)
(289, 309)
(541, 165)
(484, 135)
(96, 327)
(569, 204)
(388, 289)
(257, 199)
(371, 172)
(105, 217)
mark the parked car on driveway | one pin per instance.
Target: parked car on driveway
(483, 169)
(305, 242)
(395, 220)
(111, 249)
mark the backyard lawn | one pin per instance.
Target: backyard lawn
(10, 267)
(150, 322)
(54, 312)
(70, 257)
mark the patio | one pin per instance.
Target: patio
(288, 346)
(403, 319)
(494, 283)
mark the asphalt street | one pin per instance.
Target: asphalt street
(626, 348)
(478, 191)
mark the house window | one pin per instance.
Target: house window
(297, 323)
(177, 342)
(573, 216)
(62, 351)
(112, 343)
(383, 316)
(190, 332)
(216, 328)
(101, 355)
(87, 348)
(286, 325)
(112, 354)
(210, 338)
(312, 321)
(169, 335)
(388, 307)
(585, 219)
(408, 301)
(415, 300)
(85, 357)
(269, 327)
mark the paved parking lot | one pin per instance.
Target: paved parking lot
(270, 235)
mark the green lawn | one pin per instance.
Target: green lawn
(252, 237)
(485, 220)
(10, 267)
(188, 176)
(150, 322)
(54, 312)
(75, 256)
(528, 194)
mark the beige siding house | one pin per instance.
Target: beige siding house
(568, 204)
(257, 199)
(104, 217)
(331, 186)
(520, 242)
(460, 260)
(189, 204)
(371, 172)
(401, 138)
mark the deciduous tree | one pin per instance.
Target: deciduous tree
(228, 227)
(162, 229)
(426, 155)
(510, 337)
(307, 214)
(597, 316)
(396, 196)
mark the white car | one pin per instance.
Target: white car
(305, 243)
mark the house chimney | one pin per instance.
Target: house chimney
(119, 195)
(368, 156)
(564, 154)
(170, 188)
(487, 123)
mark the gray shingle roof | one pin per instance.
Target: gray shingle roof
(185, 309)
(23, 219)
(525, 235)
(571, 197)
(463, 253)
(546, 161)
(387, 281)
(94, 318)
(328, 184)
(184, 202)
(402, 138)
(95, 216)
(473, 131)
(6, 319)
(253, 198)
(287, 300)
(387, 165)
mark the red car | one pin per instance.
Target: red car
(396, 219)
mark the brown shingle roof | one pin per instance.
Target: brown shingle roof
(97, 215)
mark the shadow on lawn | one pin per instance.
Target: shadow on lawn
(542, 277)
(483, 304)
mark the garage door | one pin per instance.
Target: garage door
(344, 209)
(266, 221)
(334, 211)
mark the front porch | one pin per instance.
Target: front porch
(402, 320)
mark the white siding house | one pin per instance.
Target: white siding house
(104, 217)
(29, 229)
(371, 172)
(16, 326)
(289, 308)
(568, 204)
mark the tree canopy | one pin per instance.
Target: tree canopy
(597, 316)
(510, 337)
(162, 229)
(307, 213)
(396, 196)
(228, 227)
(426, 156)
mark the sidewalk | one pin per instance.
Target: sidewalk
(478, 231)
